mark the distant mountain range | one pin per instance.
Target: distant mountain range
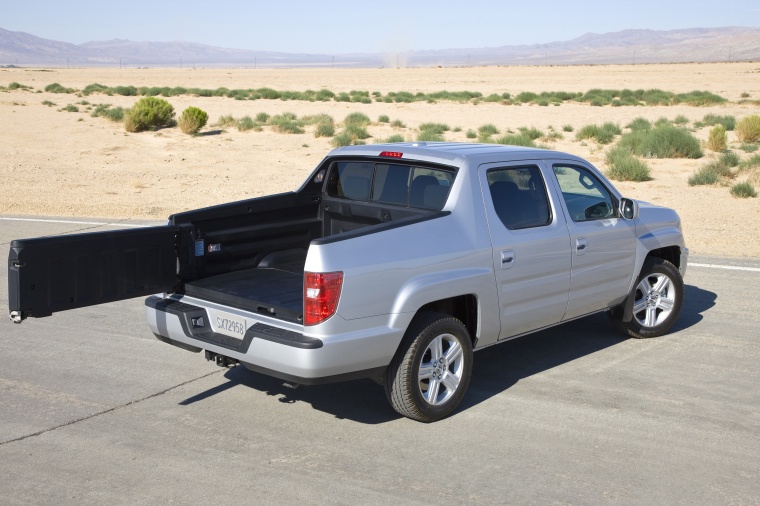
(627, 46)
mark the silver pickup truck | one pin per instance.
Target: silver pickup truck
(391, 262)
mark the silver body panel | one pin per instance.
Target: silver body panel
(389, 275)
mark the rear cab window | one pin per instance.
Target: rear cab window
(390, 183)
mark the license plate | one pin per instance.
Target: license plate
(228, 324)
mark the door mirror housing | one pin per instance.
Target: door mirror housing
(629, 209)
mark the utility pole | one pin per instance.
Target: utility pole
(254, 62)
(397, 60)
(119, 63)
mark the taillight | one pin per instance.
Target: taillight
(321, 291)
(391, 154)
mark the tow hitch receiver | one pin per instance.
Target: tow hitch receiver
(220, 360)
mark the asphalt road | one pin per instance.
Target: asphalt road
(94, 410)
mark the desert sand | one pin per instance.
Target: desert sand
(57, 163)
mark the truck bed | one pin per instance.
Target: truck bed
(271, 291)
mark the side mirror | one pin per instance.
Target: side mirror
(629, 209)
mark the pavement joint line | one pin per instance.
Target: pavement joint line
(728, 267)
(109, 410)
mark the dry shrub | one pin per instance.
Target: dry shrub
(192, 120)
(748, 129)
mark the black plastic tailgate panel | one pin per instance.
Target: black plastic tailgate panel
(50, 274)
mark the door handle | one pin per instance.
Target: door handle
(581, 245)
(507, 259)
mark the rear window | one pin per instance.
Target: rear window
(390, 183)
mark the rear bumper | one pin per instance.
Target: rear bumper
(273, 347)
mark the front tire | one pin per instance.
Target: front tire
(430, 373)
(657, 300)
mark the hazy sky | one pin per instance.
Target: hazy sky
(334, 27)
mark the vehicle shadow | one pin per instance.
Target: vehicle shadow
(696, 302)
(495, 369)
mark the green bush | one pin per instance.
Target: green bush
(357, 118)
(149, 113)
(487, 130)
(57, 88)
(743, 190)
(346, 139)
(749, 147)
(104, 110)
(192, 120)
(532, 133)
(681, 120)
(383, 119)
(704, 176)
(127, 91)
(435, 128)
(750, 163)
(430, 136)
(603, 134)
(226, 121)
(397, 123)
(262, 117)
(70, 108)
(624, 166)
(316, 119)
(395, 138)
(728, 122)
(516, 140)
(48, 103)
(717, 140)
(662, 142)
(94, 88)
(567, 128)
(324, 130)
(356, 132)
(662, 121)
(245, 124)
(748, 129)
(639, 124)
(730, 159)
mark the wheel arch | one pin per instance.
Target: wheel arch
(462, 307)
(670, 253)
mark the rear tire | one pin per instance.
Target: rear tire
(657, 300)
(430, 373)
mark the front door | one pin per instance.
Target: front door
(603, 244)
(531, 248)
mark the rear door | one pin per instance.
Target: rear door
(51, 274)
(531, 246)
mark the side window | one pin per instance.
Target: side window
(519, 197)
(585, 196)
